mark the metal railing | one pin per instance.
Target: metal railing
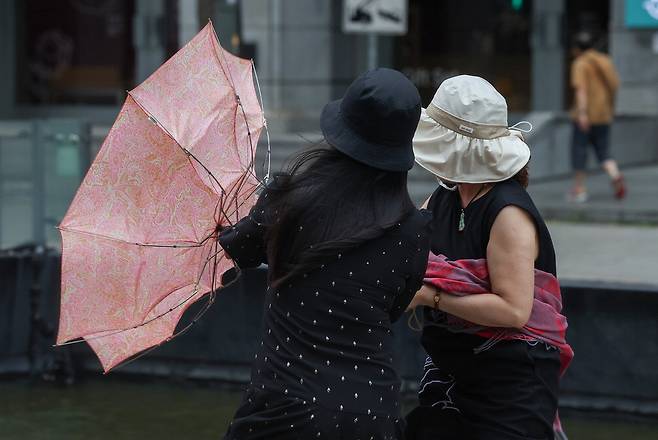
(42, 162)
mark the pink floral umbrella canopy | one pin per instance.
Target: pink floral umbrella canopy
(139, 241)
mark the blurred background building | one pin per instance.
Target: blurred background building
(66, 65)
(65, 68)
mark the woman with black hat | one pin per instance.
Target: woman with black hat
(346, 251)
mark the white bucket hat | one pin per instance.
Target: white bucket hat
(463, 136)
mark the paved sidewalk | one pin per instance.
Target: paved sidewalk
(608, 254)
(640, 205)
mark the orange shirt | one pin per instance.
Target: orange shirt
(592, 70)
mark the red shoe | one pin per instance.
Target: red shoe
(619, 187)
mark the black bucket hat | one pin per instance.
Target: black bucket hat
(374, 123)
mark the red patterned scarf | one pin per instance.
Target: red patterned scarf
(469, 277)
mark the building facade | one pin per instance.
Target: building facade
(77, 57)
(66, 65)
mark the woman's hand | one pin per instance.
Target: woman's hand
(424, 297)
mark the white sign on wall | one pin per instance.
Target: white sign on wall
(375, 16)
(651, 6)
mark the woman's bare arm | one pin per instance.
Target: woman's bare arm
(511, 253)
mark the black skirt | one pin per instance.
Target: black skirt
(507, 392)
(267, 415)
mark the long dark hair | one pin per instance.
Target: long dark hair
(324, 204)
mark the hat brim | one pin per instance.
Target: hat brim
(458, 158)
(338, 133)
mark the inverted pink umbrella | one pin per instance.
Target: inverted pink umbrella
(139, 239)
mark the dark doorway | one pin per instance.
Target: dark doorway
(590, 15)
(74, 51)
(489, 39)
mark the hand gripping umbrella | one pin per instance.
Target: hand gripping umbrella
(139, 239)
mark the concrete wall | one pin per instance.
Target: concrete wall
(637, 63)
(42, 162)
(149, 50)
(547, 55)
(293, 55)
(611, 328)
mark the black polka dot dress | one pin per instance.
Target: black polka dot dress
(324, 368)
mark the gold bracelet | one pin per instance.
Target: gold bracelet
(437, 299)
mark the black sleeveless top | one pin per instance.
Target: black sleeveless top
(479, 216)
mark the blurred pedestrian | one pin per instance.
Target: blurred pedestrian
(485, 378)
(346, 251)
(595, 82)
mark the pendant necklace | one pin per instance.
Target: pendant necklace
(462, 222)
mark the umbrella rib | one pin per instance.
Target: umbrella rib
(156, 245)
(146, 351)
(267, 131)
(215, 255)
(196, 284)
(185, 150)
(237, 187)
(227, 214)
(209, 303)
(134, 327)
(229, 76)
(227, 73)
(249, 169)
(159, 245)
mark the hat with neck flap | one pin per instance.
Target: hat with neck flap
(463, 136)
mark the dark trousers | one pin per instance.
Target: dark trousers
(508, 392)
(598, 137)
